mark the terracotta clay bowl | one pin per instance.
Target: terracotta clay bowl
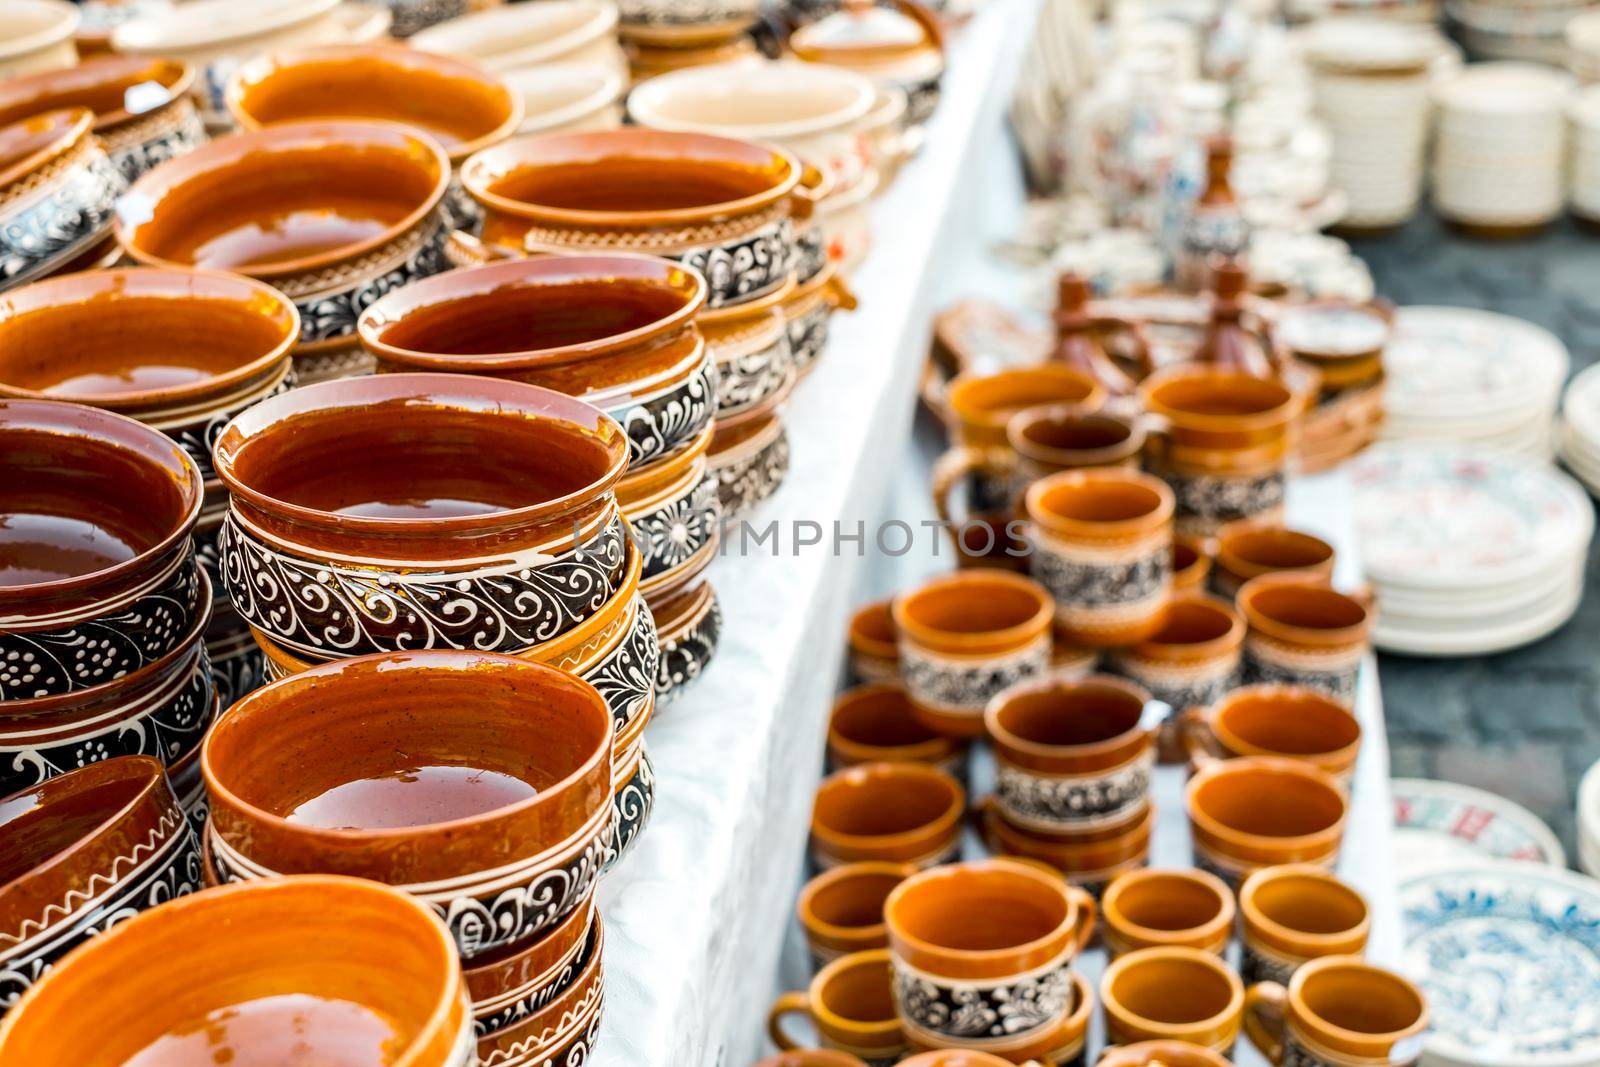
(479, 783)
(690, 626)
(58, 189)
(333, 214)
(114, 825)
(750, 460)
(755, 365)
(633, 779)
(143, 114)
(876, 723)
(311, 967)
(617, 330)
(564, 1030)
(720, 206)
(675, 513)
(509, 984)
(98, 577)
(421, 511)
(182, 350)
(808, 313)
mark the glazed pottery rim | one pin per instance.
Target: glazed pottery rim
(1053, 881)
(1098, 456)
(254, 72)
(611, 268)
(1252, 916)
(625, 140)
(1220, 923)
(1292, 632)
(51, 417)
(1273, 765)
(1142, 825)
(935, 746)
(1027, 630)
(399, 663)
(291, 136)
(105, 282)
(867, 644)
(1211, 962)
(1280, 413)
(1309, 970)
(650, 92)
(728, 315)
(69, 18)
(603, 17)
(1066, 526)
(319, 886)
(844, 872)
(177, 86)
(950, 818)
(1157, 1053)
(267, 21)
(1278, 691)
(1246, 527)
(1211, 646)
(1093, 400)
(1004, 735)
(865, 1028)
(553, 405)
(76, 124)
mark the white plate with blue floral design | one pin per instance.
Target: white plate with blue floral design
(1509, 957)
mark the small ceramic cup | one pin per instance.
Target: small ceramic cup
(1101, 542)
(876, 724)
(966, 637)
(1296, 913)
(1256, 812)
(874, 651)
(1305, 632)
(1276, 720)
(1153, 908)
(1191, 564)
(1089, 861)
(1172, 994)
(851, 1004)
(894, 812)
(1193, 658)
(983, 951)
(1338, 1011)
(1062, 1044)
(841, 910)
(1247, 550)
(1161, 1054)
(1071, 756)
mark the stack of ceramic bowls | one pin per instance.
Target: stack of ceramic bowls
(1578, 436)
(1584, 177)
(331, 214)
(103, 607)
(1583, 47)
(726, 208)
(900, 46)
(57, 195)
(1370, 79)
(668, 35)
(178, 349)
(1498, 161)
(37, 35)
(636, 354)
(1531, 31)
(478, 784)
(1470, 377)
(1470, 552)
(443, 511)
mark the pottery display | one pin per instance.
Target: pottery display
(876, 723)
(808, 314)
(898, 46)
(522, 37)
(670, 24)
(689, 624)
(1246, 550)
(1193, 658)
(1161, 1054)
(558, 97)
(37, 36)
(566, 1027)
(1338, 1010)
(906, 813)
(1170, 993)
(1303, 632)
(1291, 722)
(1293, 914)
(1089, 860)
(750, 460)
(841, 909)
(1260, 811)
(380, 187)
(57, 192)
(852, 1007)
(1151, 908)
(1191, 563)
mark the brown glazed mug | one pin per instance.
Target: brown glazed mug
(1161, 1054)
(1172, 994)
(877, 724)
(894, 812)
(1191, 564)
(1276, 720)
(309, 962)
(851, 1004)
(1338, 1011)
(1063, 1044)
(983, 951)
(841, 910)
(966, 637)
(1258, 811)
(1295, 913)
(1086, 860)
(1152, 908)
(1071, 756)
(1101, 543)
(1304, 632)
(1247, 550)
(1193, 658)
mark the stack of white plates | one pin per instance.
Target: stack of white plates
(1579, 434)
(1498, 153)
(1584, 180)
(1530, 31)
(1470, 552)
(1583, 46)
(1370, 82)
(1472, 377)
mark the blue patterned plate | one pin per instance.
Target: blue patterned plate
(1509, 957)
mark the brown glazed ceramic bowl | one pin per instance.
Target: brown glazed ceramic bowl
(479, 783)
(58, 190)
(1277, 720)
(1337, 1010)
(311, 967)
(97, 574)
(876, 723)
(1144, 909)
(1162, 1054)
(1295, 913)
(1193, 658)
(841, 910)
(720, 206)
(689, 625)
(909, 813)
(508, 984)
(564, 1029)
(1173, 994)
(143, 114)
(421, 511)
(755, 366)
(332, 214)
(114, 826)
(617, 330)
(675, 513)
(750, 460)
(1260, 811)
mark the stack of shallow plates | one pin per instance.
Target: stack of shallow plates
(1578, 438)
(1583, 46)
(1526, 30)
(1474, 378)
(1470, 552)
(1584, 129)
(1498, 153)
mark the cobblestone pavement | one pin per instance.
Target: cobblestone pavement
(1525, 724)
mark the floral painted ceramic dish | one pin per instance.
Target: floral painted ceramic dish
(1441, 824)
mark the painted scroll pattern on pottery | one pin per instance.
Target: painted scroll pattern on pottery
(1046, 803)
(982, 1012)
(674, 534)
(632, 807)
(684, 12)
(626, 676)
(183, 135)
(966, 686)
(663, 423)
(683, 658)
(808, 336)
(742, 486)
(1221, 498)
(748, 380)
(332, 315)
(76, 209)
(1093, 582)
(741, 270)
(542, 996)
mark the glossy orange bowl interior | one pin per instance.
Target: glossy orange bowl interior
(879, 716)
(1089, 717)
(28, 143)
(148, 336)
(849, 899)
(1360, 1000)
(1285, 721)
(1293, 606)
(1217, 395)
(461, 105)
(258, 974)
(872, 630)
(976, 610)
(1197, 620)
(992, 399)
(1167, 902)
(1273, 548)
(115, 88)
(886, 800)
(857, 993)
(1054, 434)
(1301, 903)
(984, 908)
(1101, 500)
(1268, 798)
(284, 200)
(1173, 987)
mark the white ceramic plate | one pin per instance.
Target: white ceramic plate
(1491, 827)
(1424, 638)
(1462, 363)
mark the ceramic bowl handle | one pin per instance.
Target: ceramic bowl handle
(952, 468)
(1137, 334)
(1088, 914)
(792, 1003)
(815, 184)
(1264, 1007)
(838, 294)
